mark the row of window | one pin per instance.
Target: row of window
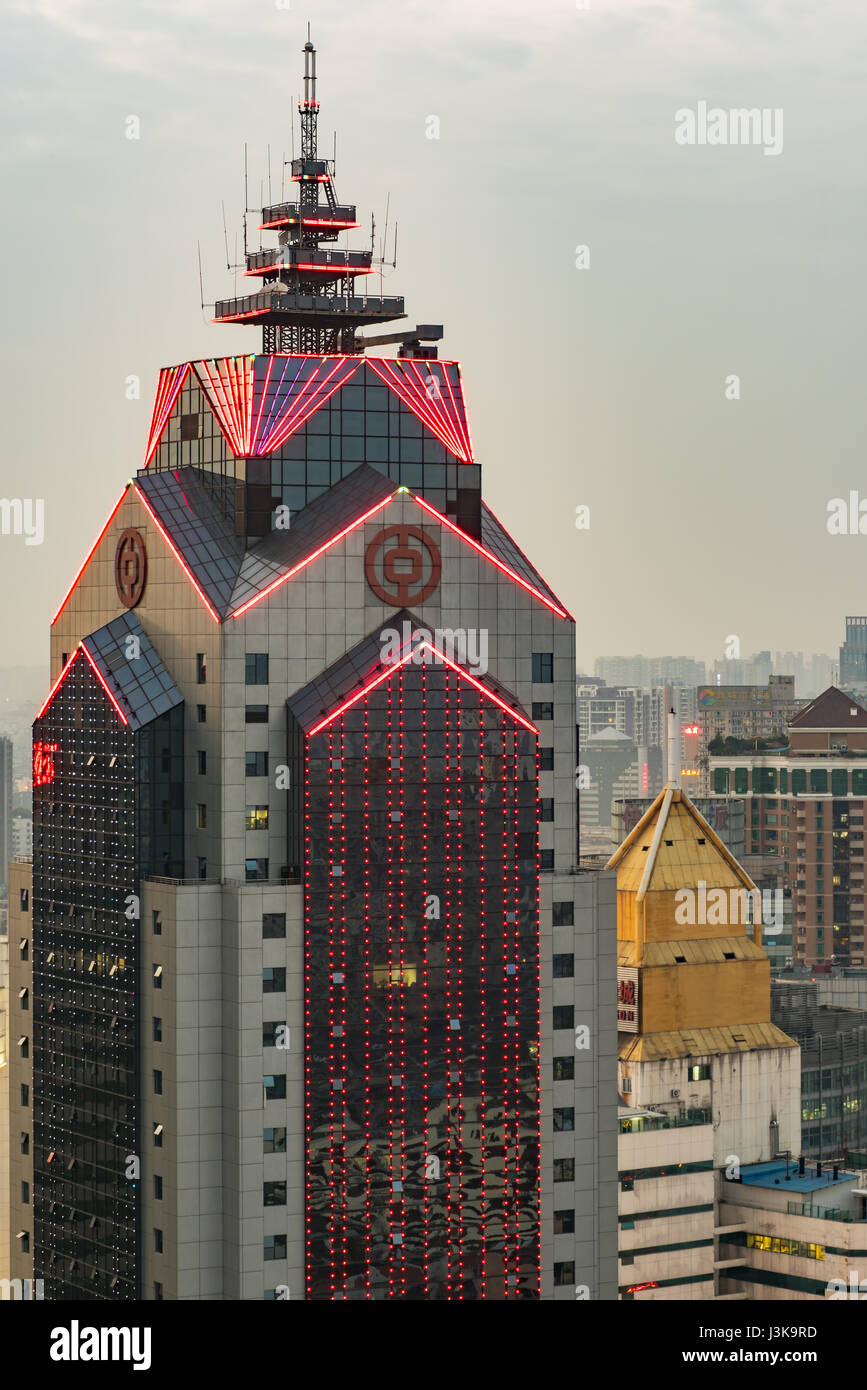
(773, 781)
(256, 668)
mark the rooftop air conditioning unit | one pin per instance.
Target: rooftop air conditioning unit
(675, 1095)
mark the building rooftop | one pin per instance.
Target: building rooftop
(773, 1174)
(831, 710)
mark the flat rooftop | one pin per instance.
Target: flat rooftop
(773, 1174)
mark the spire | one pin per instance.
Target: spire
(310, 299)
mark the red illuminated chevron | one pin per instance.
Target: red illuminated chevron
(228, 383)
(289, 389)
(169, 385)
(434, 394)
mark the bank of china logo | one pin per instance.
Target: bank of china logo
(402, 565)
(130, 568)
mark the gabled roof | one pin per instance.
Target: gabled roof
(362, 667)
(321, 521)
(831, 710)
(128, 668)
(672, 847)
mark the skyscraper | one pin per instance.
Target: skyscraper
(315, 981)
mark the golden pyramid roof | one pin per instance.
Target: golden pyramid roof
(672, 847)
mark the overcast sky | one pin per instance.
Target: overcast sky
(602, 387)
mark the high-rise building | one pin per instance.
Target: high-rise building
(806, 808)
(307, 937)
(853, 655)
(5, 810)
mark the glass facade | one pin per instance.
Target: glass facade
(422, 997)
(105, 809)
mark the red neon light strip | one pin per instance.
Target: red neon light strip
(396, 665)
(555, 608)
(247, 314)
(278, 395)
(101, 679)
(86, 561)
(220, 407)
(318, 269)
(451, 423)
(302, 564)
(311, 396)
(168, 390)
(173, 548)
(483, 1041)
(57, 684)
(420, 405)
(305, 222)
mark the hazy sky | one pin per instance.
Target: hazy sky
(602, 386)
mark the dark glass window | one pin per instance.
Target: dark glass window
(542, 709)
(256, 668)
(563, 966)
(201, 713)
(156, 922)
(201, 668)
(543, 668)
(158, 1083)
(273, 925)
(274, 1194)
(274, 979)
(25, 899)
(274, 1141)
(546, 861)
(564, 1016)
(275, 1248)
(158, 1136)
(269, 1032)
(564, 914)
(564, 1272)
(256, 714)
(158, 1188)
(275, 1087)
(158, 1030)
(546, 808)
(564, 1118)
(564, 1223)
(158, 1240)
(546, 759)
(564, 1068)
(255, 869)
(564, 1170)
(203, 762)
(256, 764)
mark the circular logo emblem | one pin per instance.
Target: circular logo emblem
(130, 568)
(706, 697)
(402, 565)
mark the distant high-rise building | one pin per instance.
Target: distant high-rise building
(646, 671)
(5, 810)
(853, 655)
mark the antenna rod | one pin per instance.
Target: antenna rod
(225, 236)
(246, 201)
(201, 282)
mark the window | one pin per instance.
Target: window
(780, 1245)
(274, 1141)
(564, 1119)
(839, 781)
(546, 861)
(563, 967)
(158, 1292)
(25, 1095)
(546, 759)
(158, 977)
(201, 713)
(158, 1188)
(156, 922)
(255, 869)
(699, 1073)
(275, 1087)
(546, 808)
(203, 762)
(275, 1248)
(543, 668)
(564, 1273)
(721, 780)
(256, 714)
(158, 1083)
(564, 914)
(273, 925)
(256, 764)
(274, 1194)
(23, 997)
(564, 1068)
(818, 779)
(274, 979)
(158, 1136)
(25, 1142)
(269, 1032)
(24, 1237)
(564, 1170)
(201, 817)
(542, 709)
(627, 1184)
(25, 1193)
(201, 668)
(256, 818)
(203, 866)
(158, 1240)
(564, 1016)
(564, 1223)
(24, 1045)
(256, 668)
(742, 781)
(25, 899)
(24, 948)
(158, 1030)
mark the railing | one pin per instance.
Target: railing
(820, 1213)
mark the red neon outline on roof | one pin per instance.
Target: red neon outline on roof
(86, 561)
(174, 550)
(56, 686)
(168, 391)
(248, 314)
(449, 432)
(302, 564)
(537, 593)
(287, 423)
(305, 222)
(395, 665)
(319, 269)
(102, 681)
